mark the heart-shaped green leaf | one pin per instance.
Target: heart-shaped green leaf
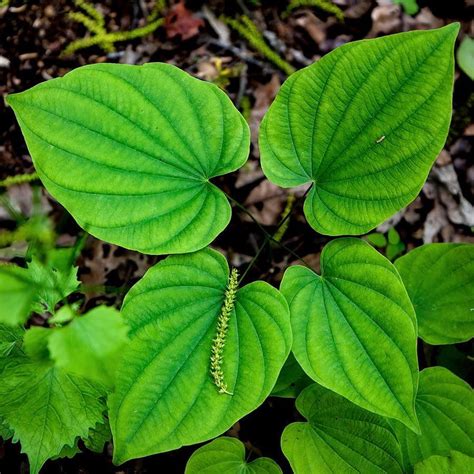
(354, 328)
(445, 408)
(165, 396)
(439, 279)
(227, 455)
(455, 463)
(129, 152)
(338, 437)
(364, 125)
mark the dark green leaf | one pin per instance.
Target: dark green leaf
(292, 380)
(338, 437)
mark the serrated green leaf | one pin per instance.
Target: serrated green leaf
(10, 340)
(227, 455)
(364, 124)
(47, 409)
(129, 152)
(354, 328)
(445, 409)
(5, 432)
(11, 350)
(338, 437)
(53, 284)
(68, 451)
(98, 436)
(165, 396)
(439, 279)
(11, 353)
(455, 463)
(465, 56)
(16, 295)
(292, 379)
(99, 336)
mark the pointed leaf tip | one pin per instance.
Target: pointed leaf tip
(356, 158)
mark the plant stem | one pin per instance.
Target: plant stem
(268, 237)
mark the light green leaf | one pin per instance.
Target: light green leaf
(130, 151)
(445, 408)
(63, 315)
(376, 239)
(465, 56)
(36, 342)
(165, 396)
(16, 295)
(53, 284)
(393, 236)
(354, 328)
(292, 380)
(227, 455)
(339, 437)
(62, 258)
(364, 124)
(410, 6)
(455, 463)
(47, 409)
(99, 337)
(439, 279)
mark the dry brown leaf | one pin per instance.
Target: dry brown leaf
(425, 20)
(181, 22)
(315, 27)
(264, 95)
(266, 202)
(386, 19)
(435, 221)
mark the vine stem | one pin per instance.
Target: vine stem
(268, 237)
